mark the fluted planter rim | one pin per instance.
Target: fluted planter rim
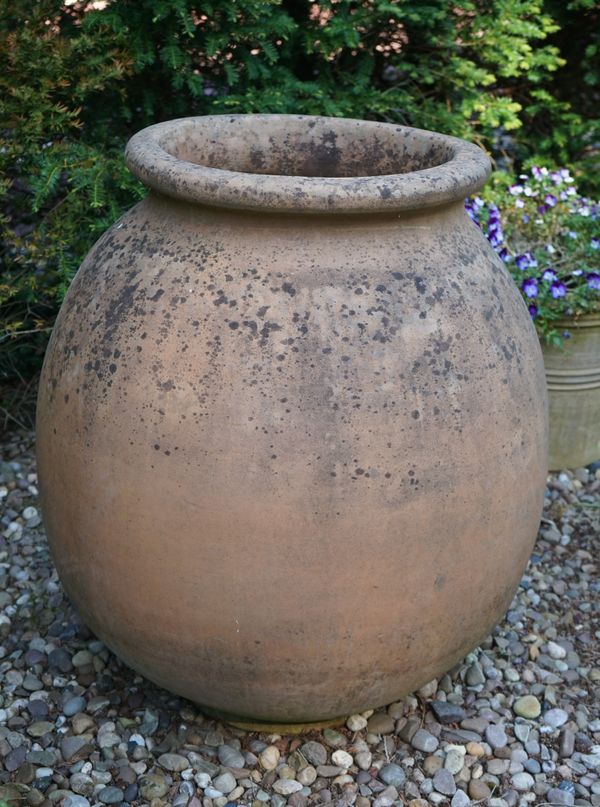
(588, 320)
(451, 168)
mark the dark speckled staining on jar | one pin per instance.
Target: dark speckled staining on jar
(293, 379)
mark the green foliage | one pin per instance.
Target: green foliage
(519, 77)
(63, 184)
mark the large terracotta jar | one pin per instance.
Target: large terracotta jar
(292, 420)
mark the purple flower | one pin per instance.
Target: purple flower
(472, 207)
(504, 254)
(572, 234)
(530, 287)
(577, 272)
(549, 274)
(593, 280)
(536, 172)
(542, 209)
(515, 190)
(495, 236)
(524, 261)
(525, 218)
(519, 203)
(595, 243)
(533, 309)
(471, 211)
(558, 289)
(566, 334)
(550, 200)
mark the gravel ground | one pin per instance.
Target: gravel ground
(516, 723)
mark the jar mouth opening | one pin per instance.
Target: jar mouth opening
(304, 164)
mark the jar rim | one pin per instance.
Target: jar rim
(228, 161)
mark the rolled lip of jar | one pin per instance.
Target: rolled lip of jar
(304, 164)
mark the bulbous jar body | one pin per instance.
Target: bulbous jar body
(292, 419)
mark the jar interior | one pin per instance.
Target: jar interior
(306, 147)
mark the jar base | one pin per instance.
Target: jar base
(267, 727)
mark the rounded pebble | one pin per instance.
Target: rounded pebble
(269, 757)
(342, 758)
(392, 774)
(356, 722)
(527, 706)
(496, 736)
(286, 787)
(555, 718)
(522, 781)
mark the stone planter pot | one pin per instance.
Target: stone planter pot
(292, 429)
(573, 378)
